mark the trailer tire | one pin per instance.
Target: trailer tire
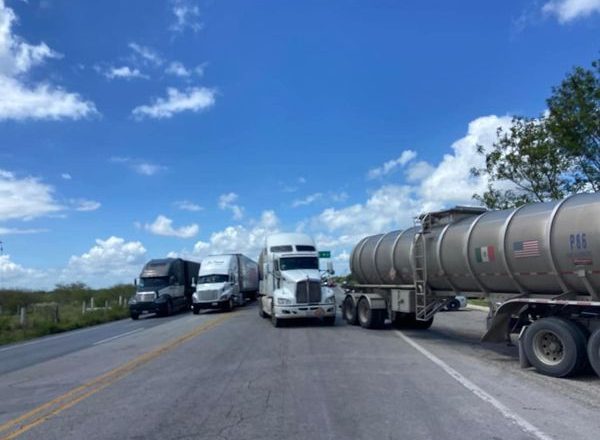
(555, 347)
(349, 311)
(593, 351)
(195, 310)
(135, 316)
(367, 317)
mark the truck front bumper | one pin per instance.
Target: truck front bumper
(147, 307)
(304, 311)
(217, 304)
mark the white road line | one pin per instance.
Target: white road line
(118, 336)
(486, 397)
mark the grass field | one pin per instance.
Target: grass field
(59, 310)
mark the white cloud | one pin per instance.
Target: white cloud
(451, 182)
(569, 10)
(186, 14)
(25, 198)
(66, 176)
(178, 69)
(20, 100)
(389, 166)
(164, 226)
(140, 166)
(418, 171)
(15, 275)
(113, 260)
(17, 231)
(247, 240)
(43, 101)
(192, 99)
(186, 205)
(124, 72)
(226, 201)
(86, 205)
(308, 200)
(146, 54)
(339, 196)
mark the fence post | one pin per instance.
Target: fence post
(23, 316)
(106, 304)
(92, 303)
(83, 307)
(120, 302)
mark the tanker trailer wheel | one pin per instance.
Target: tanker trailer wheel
(367, 317)
(593, 351)
(555, 347)
(349, 311)
(453, 305)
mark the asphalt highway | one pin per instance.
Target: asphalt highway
(235, 376)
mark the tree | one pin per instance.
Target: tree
(574, 122)
(525, 161)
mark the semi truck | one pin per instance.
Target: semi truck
(290, 281)
(538, 265)
(164, 287)
(225, 281)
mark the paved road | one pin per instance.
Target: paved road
(17, 356)
(234, 376)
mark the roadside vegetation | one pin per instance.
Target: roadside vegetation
(29, 314)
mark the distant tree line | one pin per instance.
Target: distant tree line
(552, 156)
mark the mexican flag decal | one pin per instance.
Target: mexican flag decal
(485, 254)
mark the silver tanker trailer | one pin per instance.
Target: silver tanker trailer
(539, 266)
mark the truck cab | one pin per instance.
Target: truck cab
(290, 281)
(163, 287)
(218, 284)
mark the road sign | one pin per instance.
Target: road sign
(324, 254)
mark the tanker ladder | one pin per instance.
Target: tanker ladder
(426, 303)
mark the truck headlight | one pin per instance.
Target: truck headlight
(330, 299)
(283, 301)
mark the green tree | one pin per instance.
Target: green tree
(525, 158)
(574, 122)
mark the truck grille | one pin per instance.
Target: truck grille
(208, 295)
(308, 292)
(145, 297)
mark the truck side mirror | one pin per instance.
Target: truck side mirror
(193, 282)
(330, 270)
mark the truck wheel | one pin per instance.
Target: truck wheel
(349, 311)
(555, 347)
(593, 351)
(274, 320)
(261, 311)
(229, 306)
(367, 317)
(195, 310)
(135, 316)
(453, 305)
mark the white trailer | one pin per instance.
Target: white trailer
(225, 281)
(290, 281)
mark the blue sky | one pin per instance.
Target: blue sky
(133, 130)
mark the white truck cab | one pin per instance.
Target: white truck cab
(290, 281)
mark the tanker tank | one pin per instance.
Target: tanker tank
(544, 248)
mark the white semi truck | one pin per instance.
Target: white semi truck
(290, 281)
(225, 281)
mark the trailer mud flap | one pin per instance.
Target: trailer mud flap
(498, 329)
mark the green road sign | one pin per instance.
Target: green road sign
(324, 254)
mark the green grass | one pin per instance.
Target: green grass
(42, 321)
(479, 302)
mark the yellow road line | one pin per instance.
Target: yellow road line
(55, 406)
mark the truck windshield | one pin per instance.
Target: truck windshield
(291, 263)
(153, 283)
(205, 279)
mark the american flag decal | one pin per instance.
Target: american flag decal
(527, 248)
